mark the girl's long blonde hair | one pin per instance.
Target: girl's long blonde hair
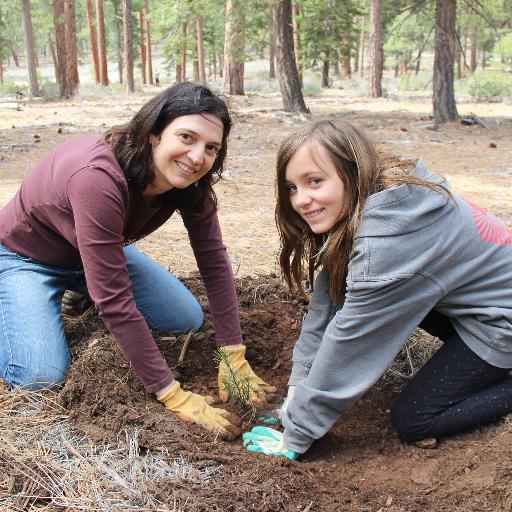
(363, 172)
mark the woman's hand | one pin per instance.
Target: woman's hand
(193, 408)
(240, 369)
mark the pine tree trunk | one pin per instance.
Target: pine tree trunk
(71, 49)
(296, 42)
(60, 44)
(183, 66)
(325, 69)
(272, 44)
(291, 93)
(346, 72)
(376, 53)
(93, 35)
(119, 42)
(102, 45)
(234, 46)
(362, 38)
(54, 58)
(128, 45)
(356, 53)
(200, 50)
(149, 57)
(473, 38)
(1, 53)
(443, 96)
(30, 50)
(142, 47)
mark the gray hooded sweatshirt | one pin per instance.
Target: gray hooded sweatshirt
(415, 251)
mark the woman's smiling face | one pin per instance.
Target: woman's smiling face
(316, 191)
(184, 152)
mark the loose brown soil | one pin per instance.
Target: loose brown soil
(360, 465)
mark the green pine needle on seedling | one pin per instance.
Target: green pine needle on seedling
(239, 390)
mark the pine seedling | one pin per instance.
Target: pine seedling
(239, 390)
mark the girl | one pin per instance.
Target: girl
(71, 226)
(397, 250)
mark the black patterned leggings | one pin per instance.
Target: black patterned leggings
(454, 391)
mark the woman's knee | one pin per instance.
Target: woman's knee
(36, 378)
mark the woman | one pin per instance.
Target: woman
(71, 226)
(397, 250)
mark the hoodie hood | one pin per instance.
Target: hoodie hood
(404, 208)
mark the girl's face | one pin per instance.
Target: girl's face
(315, 189)
(184, 152)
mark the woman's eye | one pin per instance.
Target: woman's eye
(291, 188)
(212, 149)
(185, 136)
(315, 181)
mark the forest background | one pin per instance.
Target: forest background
(309, 45)
(428, 78)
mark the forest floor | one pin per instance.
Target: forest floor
(101, 443)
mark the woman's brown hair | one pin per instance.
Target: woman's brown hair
(130, 142)
(363, 172)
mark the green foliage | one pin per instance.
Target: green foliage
(9, 86)
(488, 86)
(327, 27)
(504, 46)
(415, 83)
(239, 390)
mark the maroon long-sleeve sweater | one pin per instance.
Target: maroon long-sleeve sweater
(76, 208)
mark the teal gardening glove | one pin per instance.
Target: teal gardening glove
(268, 441)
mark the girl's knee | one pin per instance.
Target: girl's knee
(410, 424)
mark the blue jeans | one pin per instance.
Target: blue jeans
(33, 348)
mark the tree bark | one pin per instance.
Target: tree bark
(30, 50)
(362, 38)
(119, 42)
(149, 57)
(102, 45)
(289, 83)
(234, 46)
(93, 35)
(376, 52)
(142, 47)
(128, 45)
(443, 96)
(1, 52)
(325, 69)
(183, 65)
(272, 44)
(54, 58)
(356, 53)
(200, 50)
(346, 72)
(72, 57)
(296, 42)
(60, 44)
(473, 38)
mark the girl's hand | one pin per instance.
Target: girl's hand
(268, 441)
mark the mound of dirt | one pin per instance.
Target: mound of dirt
(360, 465)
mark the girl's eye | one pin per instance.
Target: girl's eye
(185, 136)
(212, 149)
(291, 188)
(315, 181)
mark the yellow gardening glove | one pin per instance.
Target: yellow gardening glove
(240, 368)
(193, 408)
